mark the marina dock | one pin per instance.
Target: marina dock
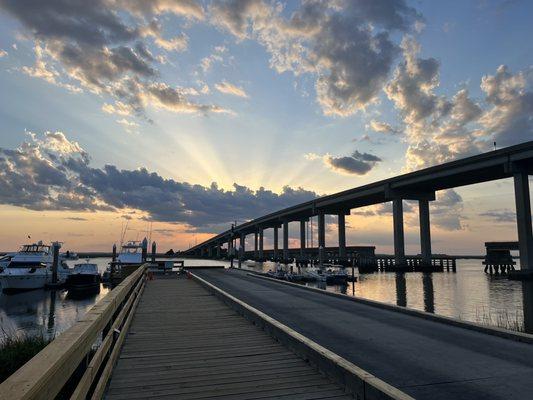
(219, 333)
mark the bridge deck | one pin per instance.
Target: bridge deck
(423, 358)
(185, 343)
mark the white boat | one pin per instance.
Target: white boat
(84, 276)
(315, 273)
(69, 255)
(5, 259)
(31, 268)
(130, 253)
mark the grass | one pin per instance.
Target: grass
(501, 319)
(16, 350)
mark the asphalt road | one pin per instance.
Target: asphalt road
(426, 359)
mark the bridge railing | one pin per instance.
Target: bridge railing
(79, 362)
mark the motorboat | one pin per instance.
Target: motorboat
(331, 274)
(84, 276)
(131, 252)
(69, 255)
(278, 273)
(31, 268)
(336, 274)
(5, 259)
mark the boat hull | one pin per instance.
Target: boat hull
(14, 283)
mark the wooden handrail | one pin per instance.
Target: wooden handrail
(45, 375)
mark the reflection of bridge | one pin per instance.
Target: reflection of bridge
(514, 162)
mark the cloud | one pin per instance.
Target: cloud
(440, 128)
(503, 215)
(382, 127)
(3, 53)
(53, 173)
(100, 46)
(345, 45)
(228, 88)
(355, 164)
(218, 56)
(76, 219)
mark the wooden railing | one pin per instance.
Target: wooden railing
(79, 362)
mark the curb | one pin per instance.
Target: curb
(500, 332)
(355, 380)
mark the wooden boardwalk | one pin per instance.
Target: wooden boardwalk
(185, 343)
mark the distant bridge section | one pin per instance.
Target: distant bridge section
(514, 162)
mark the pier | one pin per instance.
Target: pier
(217, 332)
(515, 162)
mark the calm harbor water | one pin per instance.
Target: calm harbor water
(468, 294)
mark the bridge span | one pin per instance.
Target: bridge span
(515, 162)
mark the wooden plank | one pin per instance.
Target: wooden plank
(199, 348)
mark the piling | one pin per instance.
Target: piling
(55, 263)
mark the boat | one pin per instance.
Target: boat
(131, 253)
(69, 255)
(5, 259)
(278, 273)
(333, 274)
(84, 276)
(31, 268)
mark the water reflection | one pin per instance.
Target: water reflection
(401, 290)
(469, 294)
(429, 295)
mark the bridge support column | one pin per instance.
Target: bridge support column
(242, 248)
(285, 241)
(399, 243)
(425, 232)
(261, 240)
(210, 252)
(342, 236)
(218, 250)
(523, 220)
(276, 242)
(321, 237)
(255, 244)
(302, 238)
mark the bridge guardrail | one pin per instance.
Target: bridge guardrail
(68, 357)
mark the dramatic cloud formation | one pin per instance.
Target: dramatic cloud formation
(100, 46)
(53, 173)
(439, 129)
(346, 45)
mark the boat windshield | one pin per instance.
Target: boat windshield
(25, 264)
(35, 248)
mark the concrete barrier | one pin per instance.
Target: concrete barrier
(494, 331)
(355, 380)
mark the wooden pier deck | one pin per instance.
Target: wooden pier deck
(185, 343)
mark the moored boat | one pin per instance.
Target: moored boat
(31, 268)
(84, 276)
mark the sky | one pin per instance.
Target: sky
(182, 116)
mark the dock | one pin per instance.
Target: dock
(219, 333)
(201, 348)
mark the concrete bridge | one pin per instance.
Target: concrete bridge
(515, 162)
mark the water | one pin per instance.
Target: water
(469, 294)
